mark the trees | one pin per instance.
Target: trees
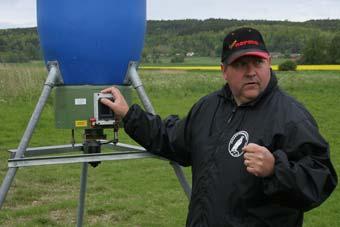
(316, 50)
(315, 39)
(3, 44)
(19, 45)
(322, 48)
(334, 50)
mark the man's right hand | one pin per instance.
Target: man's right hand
(119, 106)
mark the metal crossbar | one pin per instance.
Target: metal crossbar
(68, 159)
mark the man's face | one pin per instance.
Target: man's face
(247, 77)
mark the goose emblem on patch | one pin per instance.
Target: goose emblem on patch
(237, 142)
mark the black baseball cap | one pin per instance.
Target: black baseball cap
(243, 42)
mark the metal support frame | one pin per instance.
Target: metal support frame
(52, 79)
(127, 153)
(82, 194)
(24, 156)
(134, 78)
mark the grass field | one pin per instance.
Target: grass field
(137, 192)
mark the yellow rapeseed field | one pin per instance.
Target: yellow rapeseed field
(217, 68)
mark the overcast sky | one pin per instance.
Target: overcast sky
(21, 13)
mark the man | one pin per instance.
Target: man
(256, 154)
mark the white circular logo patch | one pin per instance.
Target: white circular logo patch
(237, 142)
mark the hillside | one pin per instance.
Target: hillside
(201, 37)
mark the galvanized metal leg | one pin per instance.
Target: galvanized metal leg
(82, 195)
(181, 178)
(137, 84)
(52, 78)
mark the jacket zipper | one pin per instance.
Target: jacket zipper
(232, 115)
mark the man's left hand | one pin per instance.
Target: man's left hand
(258, 160)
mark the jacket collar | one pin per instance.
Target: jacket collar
(225, 91)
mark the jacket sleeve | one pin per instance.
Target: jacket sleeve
(304, 176)
(164, 138)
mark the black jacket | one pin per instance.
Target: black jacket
(210, 139)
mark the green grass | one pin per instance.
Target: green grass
(188, 61)
(136, 192)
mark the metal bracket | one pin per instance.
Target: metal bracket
(127, 80)
(54, 65)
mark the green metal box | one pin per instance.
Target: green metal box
(74, 105)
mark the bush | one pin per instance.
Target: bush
(177, 59)
(287, 66)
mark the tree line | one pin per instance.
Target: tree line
(19, 45)
(317, 41)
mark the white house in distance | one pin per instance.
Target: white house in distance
(190, 54)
